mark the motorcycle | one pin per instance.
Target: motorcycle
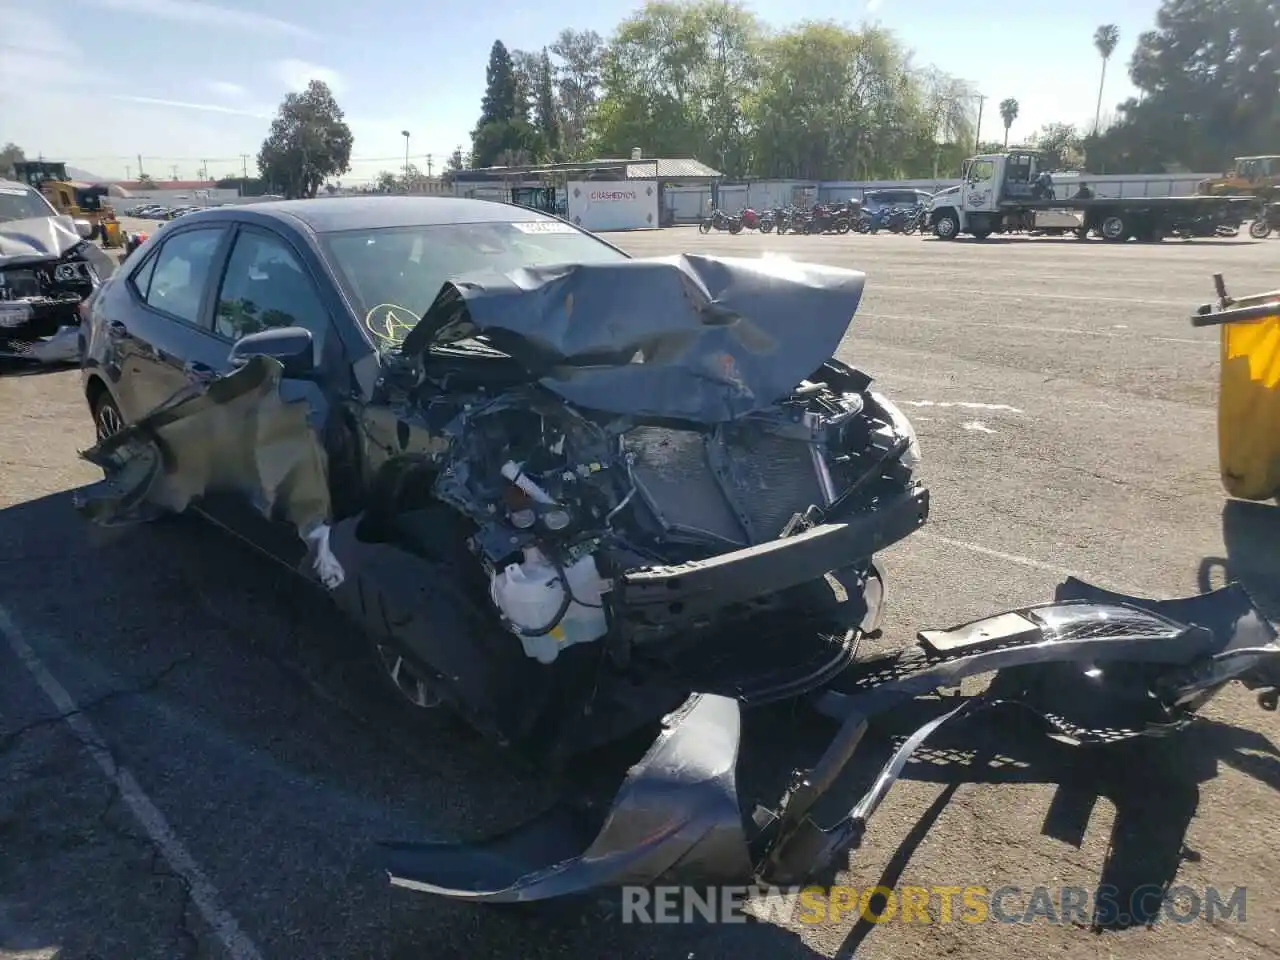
(750, 218)
(828, 219)
(1266, 222)
(719, 220)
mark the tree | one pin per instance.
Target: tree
(577, 82)
(145, 182)
(387, 182)
(1105, 39)
(1059, 145)
(676, 76)
(546, 111)
(456, 161)
(308, 143)
(1008, 114)
(10, 154)
(1206, 74)
(526, 65)
(503, 128)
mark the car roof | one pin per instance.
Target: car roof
(332, 214)
(11, 184)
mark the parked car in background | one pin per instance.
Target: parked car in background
(48, 269)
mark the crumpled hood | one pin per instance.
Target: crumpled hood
(695, 337)
(37, 238)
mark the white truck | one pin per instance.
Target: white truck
(1006, 192)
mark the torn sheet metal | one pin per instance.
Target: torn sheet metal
(701, 338)
(674, 818)
(37, 238)
(234, 434)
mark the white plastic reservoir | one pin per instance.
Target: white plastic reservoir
(530, 594)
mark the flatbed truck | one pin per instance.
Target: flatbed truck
(1001, 193)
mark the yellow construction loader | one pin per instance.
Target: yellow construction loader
(84, 201)
(1259, 176)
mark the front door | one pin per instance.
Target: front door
(978, 191)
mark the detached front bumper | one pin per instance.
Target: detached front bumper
(677, 817)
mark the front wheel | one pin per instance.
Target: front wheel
(842, 225)
(735, 227)
(704, 226)
(946, 226)
(766, 226)
(1259, 230)
(107, 419)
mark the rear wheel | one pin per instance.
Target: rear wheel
(1115, 229)
(735, 227)
(704, 226)
(1259, 230)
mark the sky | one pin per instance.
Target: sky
(190, 83)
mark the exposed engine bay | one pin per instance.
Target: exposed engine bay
(46, 272)
(565, 501)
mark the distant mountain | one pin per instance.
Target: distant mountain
(75, 173)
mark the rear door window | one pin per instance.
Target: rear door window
(181, 272)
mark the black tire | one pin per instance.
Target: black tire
(842, 225)
(946, 225)
(1114, 229)
(766, 226)
(1259, 230)
(704, 226)
(107, 418)
(735, 227)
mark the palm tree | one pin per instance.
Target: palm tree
(1008, 113)
(1105, 39)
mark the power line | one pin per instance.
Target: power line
(243, 158)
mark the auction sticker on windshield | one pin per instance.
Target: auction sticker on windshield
(390, 322)
(543, 226)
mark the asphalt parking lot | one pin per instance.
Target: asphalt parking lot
(1066, 412)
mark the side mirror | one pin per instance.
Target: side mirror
(84, 228)
(292, 346)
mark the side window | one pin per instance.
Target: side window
(141, 278)
(266, 287)
(981, 170)
(181, 268)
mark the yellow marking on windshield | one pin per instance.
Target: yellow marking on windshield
(390, 322)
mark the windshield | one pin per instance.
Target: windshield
(393, 274)
(19, 203)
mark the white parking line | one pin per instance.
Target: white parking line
(1004, 294)
(203, 893)
(1035, 328)
(1022, 561)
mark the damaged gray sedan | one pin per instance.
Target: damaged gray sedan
(560, 489)
(570, 494)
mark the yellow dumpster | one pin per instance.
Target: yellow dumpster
(1249, 393)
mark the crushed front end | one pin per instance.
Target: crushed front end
(46, 273)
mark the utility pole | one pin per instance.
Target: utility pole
(244, 165)
(141, 173)
(977, 133)
(174, 170)
(428, 166)
(127, 169)
(204, 169)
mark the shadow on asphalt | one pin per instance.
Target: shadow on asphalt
(10, 367)
(1153, 785)
(1251, 534)
(276, 713)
